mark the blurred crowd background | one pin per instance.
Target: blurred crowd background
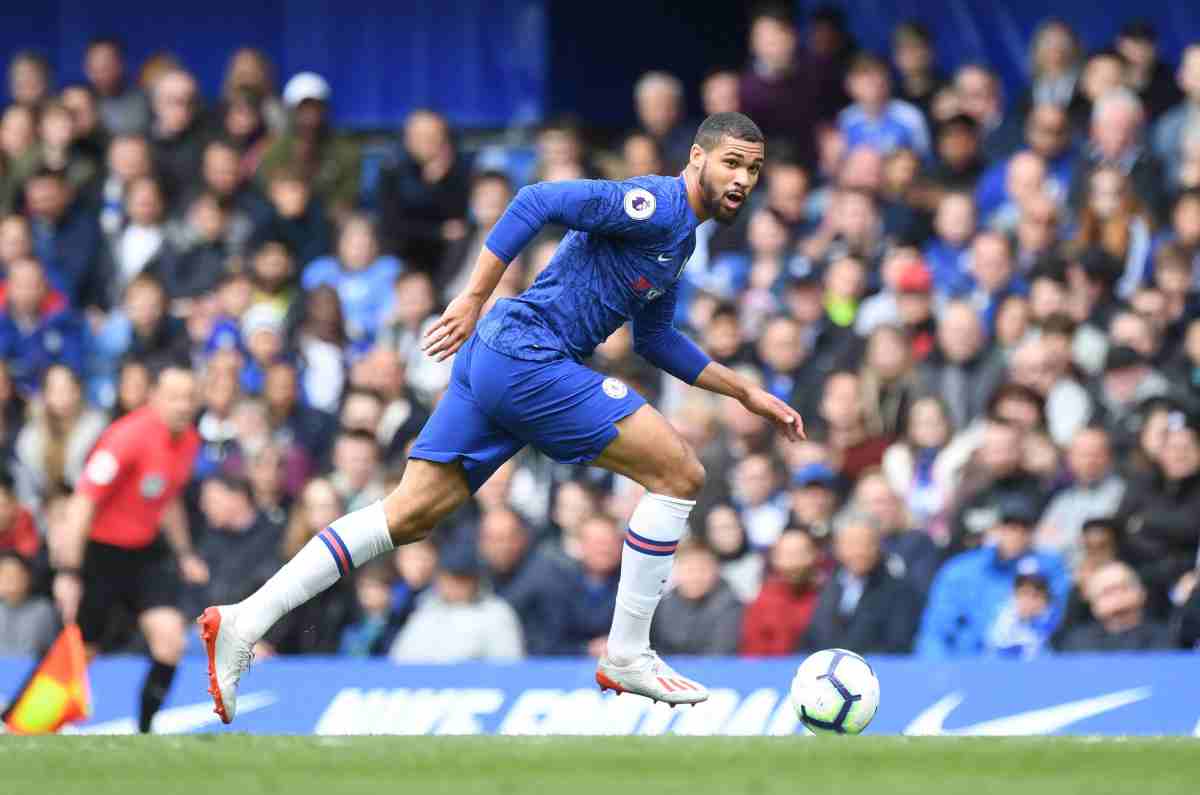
(983, 304)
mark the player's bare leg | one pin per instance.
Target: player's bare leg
(649, 451)
(165, 631)
(428, 492)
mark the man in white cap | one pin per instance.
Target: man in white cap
(310, 146)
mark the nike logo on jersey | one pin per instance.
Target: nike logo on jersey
(664, 257)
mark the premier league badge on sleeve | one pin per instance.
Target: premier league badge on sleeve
(614, 388)
(639, 204)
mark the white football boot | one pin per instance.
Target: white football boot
(649, 676)
(228, 658)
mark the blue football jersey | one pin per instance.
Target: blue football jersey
(621, 260)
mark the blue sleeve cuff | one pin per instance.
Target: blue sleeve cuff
(524, 218)
(674, 353)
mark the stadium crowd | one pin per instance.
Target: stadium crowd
(984, 307)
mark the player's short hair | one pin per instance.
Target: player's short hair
(737, 126)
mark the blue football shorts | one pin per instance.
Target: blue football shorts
(495, 405)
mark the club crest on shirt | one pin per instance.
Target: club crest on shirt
(639, 204)
(153, 486)
(614, 388)
(649, 291)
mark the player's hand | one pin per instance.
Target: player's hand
(68, 590)
(193, 569)
(764, 404)
(452, 329)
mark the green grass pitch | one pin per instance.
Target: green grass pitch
(244, 765)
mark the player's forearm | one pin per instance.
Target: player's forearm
(67, 541)
(488, 271)
(718, 378)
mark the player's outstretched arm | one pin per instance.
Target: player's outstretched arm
(455, 325)
(718, 378)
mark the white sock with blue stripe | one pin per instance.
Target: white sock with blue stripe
(327, 557)
(657, 524)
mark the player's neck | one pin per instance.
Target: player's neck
(695, 196)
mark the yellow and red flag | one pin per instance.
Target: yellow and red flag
(57, 693)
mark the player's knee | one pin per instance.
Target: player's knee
(167, 646)
(686, 478)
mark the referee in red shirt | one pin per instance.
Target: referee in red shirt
(109, 550)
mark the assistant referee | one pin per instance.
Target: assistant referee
(110, 552)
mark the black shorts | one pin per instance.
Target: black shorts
(124, 582)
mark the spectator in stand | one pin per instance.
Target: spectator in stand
(1098, 545)
(741, 567)
(719, 92)
(762, 505)
(973, 588)
(29, 79)
(915, 465)
(1037, 364)
(959, 160)
(18, 141)
(124, 109)
(1115, 221)
(977, 94)
(141, 327)
(143, 244)
(356, 468)
(239, 543)
(1118, 602)
(1096, 492)
(909, 550)
(1127, 382)
(310, 146)
(459, 621)
(244, 127)
(128, 160)
(67, 239)
(179, 133)
(18, 531)
(1117, 126)
(701, 614)
(251, 71)
(53, 446)
(290, 418)
(56, 150)
(855, 446)
(316, 626)
(887, 381)
(1037, 236)
(370, 635)
(996, 473)
(491, 192)
(776, 89)
(321, 341)
(780, 353)
(1161, 537)
(362, 276)
(1145, 72)
(915, 61)
(403, 412)
(593, 586)
(1169, 132)
(36, 332)
(962, 369)
(661, 112)
(297, 216)
(876, 119)
(774, 624)
(1025, 625)
(89, 137)
(863, 606)
(273, 269)
(220, 176)
(561, 151)
(1048, 136)
(527, 579)
(423, 196)
(813, 499)
(28, 622)
(948, 252)
(1057, 59)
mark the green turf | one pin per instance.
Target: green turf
(245, 765)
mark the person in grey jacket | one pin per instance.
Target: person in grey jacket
(28, 623)
(701, 614)
(458, 622)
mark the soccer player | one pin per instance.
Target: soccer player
(110, 544)
(518, 380)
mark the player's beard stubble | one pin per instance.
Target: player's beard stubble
(711, 196)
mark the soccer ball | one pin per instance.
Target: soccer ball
(835, 692)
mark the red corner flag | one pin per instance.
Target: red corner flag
(57, 693)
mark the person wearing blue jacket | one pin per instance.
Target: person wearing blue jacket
(364, 278)
(973, 589)
(34, 336)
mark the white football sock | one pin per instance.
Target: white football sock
(657, 524)
(331, 554)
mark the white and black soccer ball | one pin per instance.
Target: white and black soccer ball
(835, 692)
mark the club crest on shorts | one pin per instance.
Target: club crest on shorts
(639, 204)
(615, 388)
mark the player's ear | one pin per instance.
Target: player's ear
(696, 156)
